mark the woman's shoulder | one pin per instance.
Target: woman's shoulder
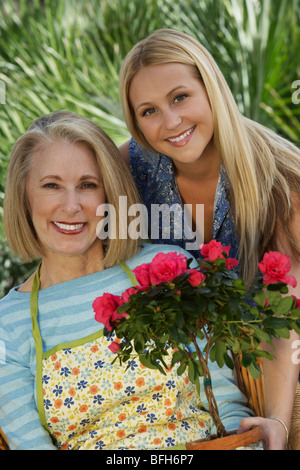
(142, 158)
(14, 308)
(15, 294)
(124, 151)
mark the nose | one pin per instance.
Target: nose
(71, 202)
(170, 119)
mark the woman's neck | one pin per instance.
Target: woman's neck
(55, 270)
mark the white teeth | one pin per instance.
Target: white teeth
(68, 226)
(182, 136)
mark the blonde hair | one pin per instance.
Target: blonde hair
(64, 125)
(262, 167)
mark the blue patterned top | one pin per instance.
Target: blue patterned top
(154, 176)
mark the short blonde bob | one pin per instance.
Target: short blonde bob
(64, 125)
(263, 168)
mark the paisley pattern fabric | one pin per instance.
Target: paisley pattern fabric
(91, 404)
(154, 176)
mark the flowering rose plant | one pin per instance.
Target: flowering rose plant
(172, 305)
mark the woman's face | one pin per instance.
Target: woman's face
(64, 189)
(173, 111)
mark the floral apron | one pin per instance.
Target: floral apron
(85, 402)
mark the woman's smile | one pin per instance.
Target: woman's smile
(69, 228)
(183, 138)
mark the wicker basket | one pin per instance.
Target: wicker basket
(3, 443)
(253, 389)
(294, 438)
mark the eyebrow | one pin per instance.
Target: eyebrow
(148, 103)
(58, 178)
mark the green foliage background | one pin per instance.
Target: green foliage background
(66, 54)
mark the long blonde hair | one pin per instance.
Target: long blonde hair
(263, 169)
(64, 125)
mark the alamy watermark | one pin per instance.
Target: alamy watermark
(2, 352)
(2, 92)
(162, 218)
(296, 354)
(296, 94)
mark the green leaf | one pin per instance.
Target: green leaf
(296, 312)
(183, 338)
(212, 353)
(273, 297)
(254, 370)
(146, 361)
(220, 351)
(275, 323)
(173, 332)
(283, 332)
(139, 343)
(295, 325)
(234, 344)
(181, 368)
(164, 338)
(228, 361)
(177, 357)
(191, 371)
(260, 333)
(261, 353)
(246, 359)
(179, 319)
(284, 306)
(260, 298)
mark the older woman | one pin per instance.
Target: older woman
(58, 388)
(191, 147)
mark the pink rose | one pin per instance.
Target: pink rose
(214, 250)
(166, 266)
(114, 347)
(231, 262)
(118, 316)
(127, 293)
(142, 274)
(275, 267)
(196, 277)
(105, 309)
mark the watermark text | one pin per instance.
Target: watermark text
(156, 225)
(296, 354)
(296, 94)
(2, 92)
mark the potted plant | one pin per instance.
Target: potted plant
(172, 305)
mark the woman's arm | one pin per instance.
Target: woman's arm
(124, 151)
(281, 374)
(19, 419)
